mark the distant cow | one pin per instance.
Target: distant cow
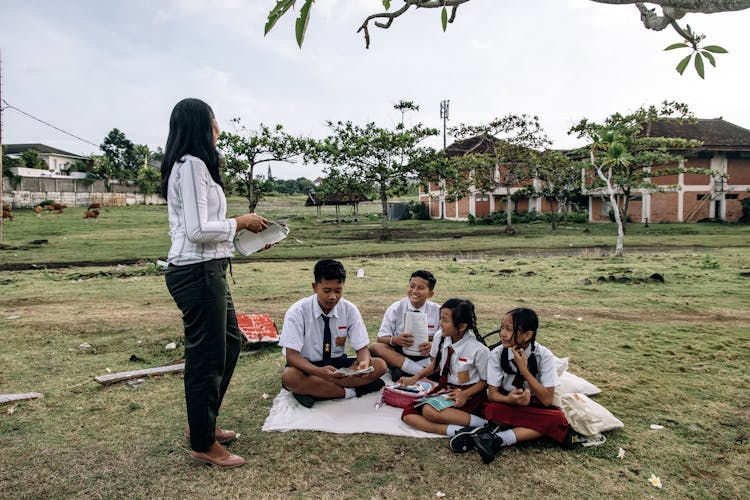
(38, 210)
(57, 212)
(91, 214)
(7, 214)
(95, 206)
(56, 207)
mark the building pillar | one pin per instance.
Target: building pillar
(645, 206)
(681, 194)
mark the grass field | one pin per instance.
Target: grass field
(672, 353)
(141, 232)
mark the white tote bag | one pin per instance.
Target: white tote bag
(587, 417)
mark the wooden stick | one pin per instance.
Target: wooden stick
(9, 398)
(147, 372)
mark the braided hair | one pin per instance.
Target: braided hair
(524, 320)
(462, 311)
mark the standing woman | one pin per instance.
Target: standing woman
(202, 244)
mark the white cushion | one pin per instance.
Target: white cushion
(573, 383)
(561, 364)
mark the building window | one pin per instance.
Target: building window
(636, 198)
(702, 197)
(606, 209)
(731, 196)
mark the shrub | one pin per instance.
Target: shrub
(745, 218)
(525, 217)
(419, 210)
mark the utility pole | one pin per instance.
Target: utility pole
(1, 146)
(444, 104)
(444, 116)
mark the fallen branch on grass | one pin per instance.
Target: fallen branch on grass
(147, 372)
(9, 398)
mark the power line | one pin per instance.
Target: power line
(9, 106)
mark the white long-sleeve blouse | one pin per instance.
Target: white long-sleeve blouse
(197, 211)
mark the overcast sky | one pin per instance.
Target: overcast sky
(88, 66)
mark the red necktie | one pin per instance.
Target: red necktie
(446, 368)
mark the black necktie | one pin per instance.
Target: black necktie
(505, 365)
(326, 339)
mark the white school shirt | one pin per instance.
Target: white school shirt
(303, 329)
(197, 211)
(469, 360)
(393, 319)
(545, 362)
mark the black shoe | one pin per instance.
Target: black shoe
(396, 374)
(373, 386)
(464, 439)
(487, 444)
(304, 399)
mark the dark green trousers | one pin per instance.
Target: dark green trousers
(212, 342)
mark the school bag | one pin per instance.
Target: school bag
(587, 417)
(402, 396)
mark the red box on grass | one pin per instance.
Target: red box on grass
(258, 328)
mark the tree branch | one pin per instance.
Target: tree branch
(390, 16)
(698, 6)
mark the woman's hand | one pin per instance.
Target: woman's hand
(252, 222)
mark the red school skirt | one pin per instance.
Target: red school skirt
(549, 421)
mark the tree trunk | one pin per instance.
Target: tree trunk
(625, 205)
(508, 212)
(385, 233)
(553, 215)
(251, 201)
(384, 207)
(615, 211)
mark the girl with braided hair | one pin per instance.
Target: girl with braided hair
(460, 357)
(521, 377)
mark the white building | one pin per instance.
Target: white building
(58, 161)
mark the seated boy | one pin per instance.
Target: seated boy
(314, 338)
(392, 339)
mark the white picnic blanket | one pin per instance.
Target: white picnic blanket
(340, 416)
(359, 415)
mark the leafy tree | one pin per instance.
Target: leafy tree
(380, 159)
(9, 163)
(559, 180)
(148, 180)
(404, 107)
(622, 154)
(672, 11)
(245, 149)
(121, 158)
(30, 159)
(342, 189)
(480, 161)
(301, 185)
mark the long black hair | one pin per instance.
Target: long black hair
(524, 320)
(462, 311)
(190, 132)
